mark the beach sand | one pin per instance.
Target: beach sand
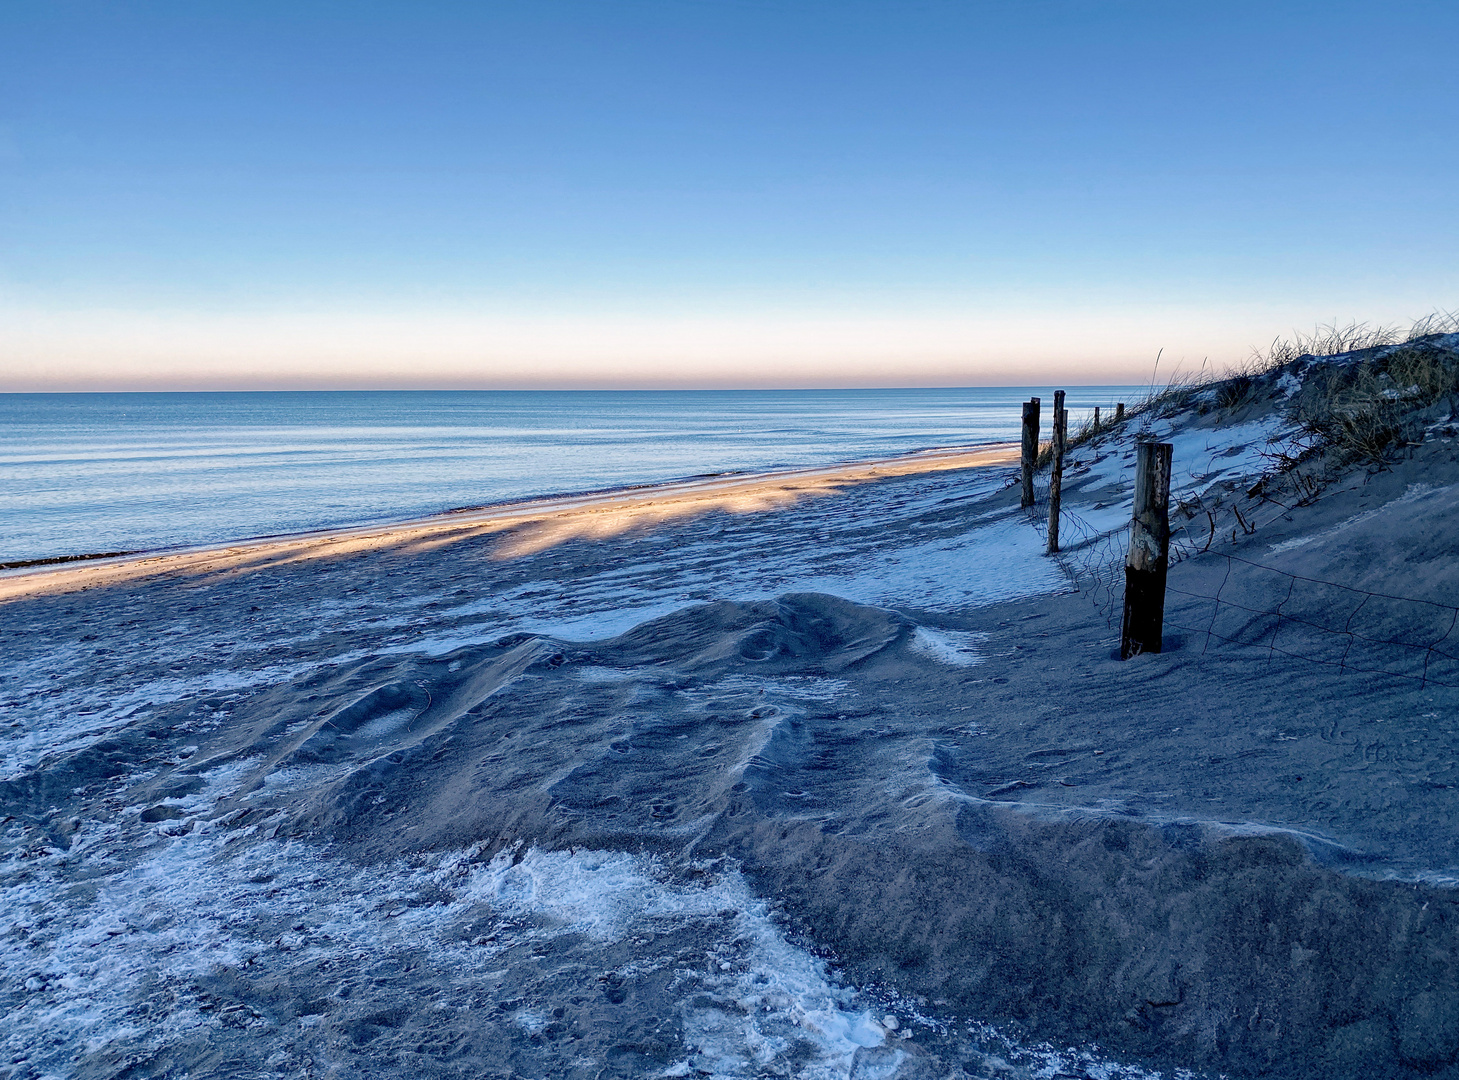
(528, 526)
(822, 774)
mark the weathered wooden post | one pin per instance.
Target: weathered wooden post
(1119, 411)
(1030, 448)
(1096, 420)
(1056, 468)
(1149, 556)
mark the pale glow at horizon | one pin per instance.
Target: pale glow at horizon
(130, 350)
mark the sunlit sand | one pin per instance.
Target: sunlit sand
(526, 527)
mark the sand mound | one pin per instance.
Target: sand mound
(810, 739)
(800, 632)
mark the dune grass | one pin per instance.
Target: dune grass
(1366, 390)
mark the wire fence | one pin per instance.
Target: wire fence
(1221, 596)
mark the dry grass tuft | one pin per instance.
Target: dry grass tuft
(1378, 391)
(1361, 411)
(1329, 340)
(1335, 340)
(1361, 392)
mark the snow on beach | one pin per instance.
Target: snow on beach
(81, 690)
(147, 962)
(174, 902)
(135, 964)
(722, 790)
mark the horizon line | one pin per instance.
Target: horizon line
(572, 389)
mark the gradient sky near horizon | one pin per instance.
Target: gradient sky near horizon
(737, 193)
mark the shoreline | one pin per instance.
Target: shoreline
(737, 492)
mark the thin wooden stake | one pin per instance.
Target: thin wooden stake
(1056, 469)
(1149, 556)
(1096, 420)
(1030, 448)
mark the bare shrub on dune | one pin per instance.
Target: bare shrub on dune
(1365, 389)
(1361, 411)
(1357, 406)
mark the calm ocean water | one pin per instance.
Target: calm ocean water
(86, 473)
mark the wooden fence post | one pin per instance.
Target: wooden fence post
(1030, 448)
(1096, 419)
(1149, 555)
(1056, 468)
(1119, 411)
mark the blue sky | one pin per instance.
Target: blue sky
(731, 193)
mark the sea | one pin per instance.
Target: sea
(101, 473)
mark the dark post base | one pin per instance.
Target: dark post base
(1144, 618)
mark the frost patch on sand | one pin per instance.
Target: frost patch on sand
(986, 565)
(1201, 460)
(146, 964)
(132, 964)
(592, 673)
(1200, 457)
(79, 716)
(600, 625)
(1289, 384)
(438, 645)
(763, 1001)
(773, 1002)
(816, 688)
(956, 647)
